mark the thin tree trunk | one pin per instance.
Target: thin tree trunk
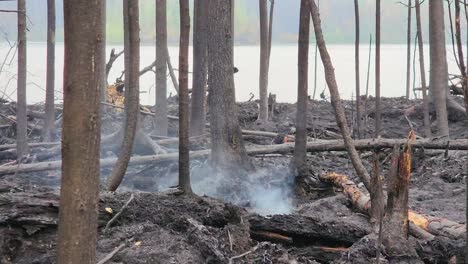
(228, 150)
(427, 121)
(438, 65)
(270, 30)
(460, 52)
(184, 158)
(449, 9)
(378, 108)
(79, 193)
(302, 88)
(49, 121)
(21, 116)
(263, 80)
(200, 69)
(132, 104)
(161, 122)
(356, 61)
(408, 51)
(315, 62)
(335, 98)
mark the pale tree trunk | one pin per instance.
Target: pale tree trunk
(184, 158)
(270, 30)
(427, 121)
(200, 69)
(378, 110)
(408, 51)
(21, 117)
(356, 61)
(438, 65)
(263, 80)
(79, 193)
(132, 83)
(161, 122)
(335, 98)
(49, 120)
(227, 145)
(300, 150)
(460, 52)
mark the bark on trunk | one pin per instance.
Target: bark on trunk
(132, 104)
(228, 149)
(335, 98)
(408, 51)
(302, 88)
(460, 52)
(378, 110)
(184, 158)
(438, 65)
(200, 69)
(161, 122)
(356, 70)
(49, 122)
(263, 80)
(21, 116)
(79, 193)
(427, 121)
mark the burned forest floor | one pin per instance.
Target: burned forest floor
(253, 217)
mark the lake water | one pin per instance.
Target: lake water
(282, 75)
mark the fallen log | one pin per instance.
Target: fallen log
(434, 225)
(286, 148)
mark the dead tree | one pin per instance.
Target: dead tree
(200, 69)
(160, 120)
(83, 29)
(49, 121)
(263, 80)
(184, 158)
(302, 87)
(408, 51)
(356, 69)
(438, 65)
(427, 121)
(228, 150)
(335, 98)
(132, 81)
(378, 108)
(21, 115)
(460, 52)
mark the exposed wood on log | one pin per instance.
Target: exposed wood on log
(433, 225)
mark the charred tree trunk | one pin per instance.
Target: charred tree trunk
(49, 121)
(160, 119)
(460, 52)
(427, 121)
(200, 69)
(335, 98)
(132, 79)
(408, 52)
(302, 87)
(378, 108)
(438, 65)
(21, 116)
(263, 81)
(79, 193)
(184, 158)
(356, 63)
(228, 150)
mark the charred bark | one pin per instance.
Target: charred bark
(263, 78)
(21, 116)
(49, 122)
(160, 120)
(378, 108)
(356, 70)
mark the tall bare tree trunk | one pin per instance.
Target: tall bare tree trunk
(378, 108)
(263, 81)
(160, 119)
(335, 98)
(82, 83)
(132, 83)
(438, 65)
(302, 88)
(356, 63)
(227, 150)
(460, 52)
(50, 79)
(427, 121)
(270, 30)
(184, 158)
(200, 69)
(21, 107)
(408, 51)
